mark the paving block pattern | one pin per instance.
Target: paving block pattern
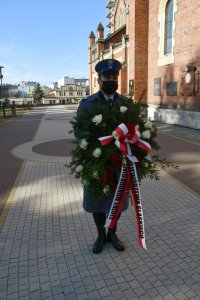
(46, 241)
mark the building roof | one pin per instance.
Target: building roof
(100, 27)
(51, 95)
(92, 35)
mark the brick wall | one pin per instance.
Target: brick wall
(186, 52)
(138, 47)
(115, 38)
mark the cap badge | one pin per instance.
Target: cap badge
(110, 63)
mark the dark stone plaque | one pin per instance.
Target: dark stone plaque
(131, 87)
(157, 86)
(172, 88)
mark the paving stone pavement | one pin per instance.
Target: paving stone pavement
(46, 240)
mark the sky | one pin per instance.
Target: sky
(44, 40)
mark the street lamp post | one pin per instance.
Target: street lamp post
(1, 77)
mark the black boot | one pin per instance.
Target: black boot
(112, 238)
(99, 219)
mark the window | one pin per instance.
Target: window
(166, 18)
(168, 27)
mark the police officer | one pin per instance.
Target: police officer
(108, 72)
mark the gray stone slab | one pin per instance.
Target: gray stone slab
(46, 241)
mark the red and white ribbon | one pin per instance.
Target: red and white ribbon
(128, 177)
(123, 137)
(120, 192)
(135, 192)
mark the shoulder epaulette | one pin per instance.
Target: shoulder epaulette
(91, 97)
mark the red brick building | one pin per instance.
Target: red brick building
(158, 44)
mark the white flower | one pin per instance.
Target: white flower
(97, 152)
(123, 109)
(97, 119)
(145, 164)
(146, 134)
(85, 182)
(83, 144)
(115, 135)
(106, 189)
(95, 174)
(79, 169)
(148, 124)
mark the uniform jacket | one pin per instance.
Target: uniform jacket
(103, 205)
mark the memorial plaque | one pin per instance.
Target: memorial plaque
(172, 88)
(157, 86)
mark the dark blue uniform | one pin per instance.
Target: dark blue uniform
(108, 71)
(103, 205)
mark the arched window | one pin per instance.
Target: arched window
(166, 18)
(168, 27)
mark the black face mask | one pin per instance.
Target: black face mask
(109, 86)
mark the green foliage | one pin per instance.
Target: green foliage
(102, 172)
(38, 94)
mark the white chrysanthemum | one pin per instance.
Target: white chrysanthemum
(106, 189)
(83, 144)
(97, 119)
(97, 152)
(85, 182)
(79, 169)
(146, 134)
(115, 135)
(123, 109)
(148, 124)
(95, 174)
(145, 164)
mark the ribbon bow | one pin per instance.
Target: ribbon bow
(124, 135)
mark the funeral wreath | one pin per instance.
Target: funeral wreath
(106, 139)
